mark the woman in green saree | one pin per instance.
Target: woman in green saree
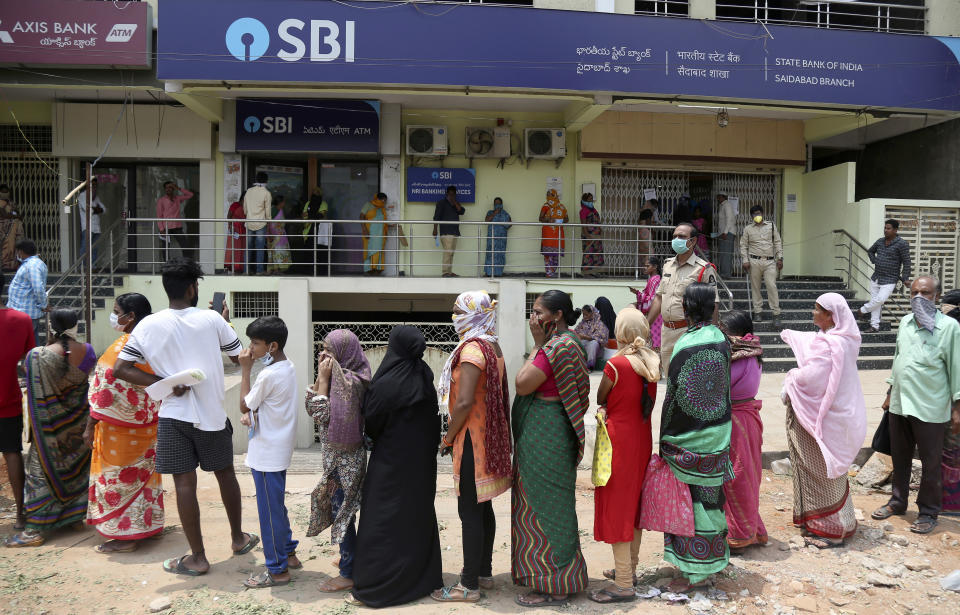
(58, 464)
(553, 389)
(695, 437)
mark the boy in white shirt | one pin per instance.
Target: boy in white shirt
(269, 409)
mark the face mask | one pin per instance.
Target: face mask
(679, 245)
(267, 359)
(925, 312)
(115, 322)
(758, 219)
(498, 205)
(587, 204)
(20, 260)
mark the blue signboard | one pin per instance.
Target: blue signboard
(415, 43)
(308, 125)
(430, 184)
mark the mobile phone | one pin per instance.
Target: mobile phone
(218, 302)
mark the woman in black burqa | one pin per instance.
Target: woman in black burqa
(398, 544)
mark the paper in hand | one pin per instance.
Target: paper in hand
(164, 388)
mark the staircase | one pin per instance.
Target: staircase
(797, 297)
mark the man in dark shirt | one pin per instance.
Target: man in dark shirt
(448, 210)
(891, 255)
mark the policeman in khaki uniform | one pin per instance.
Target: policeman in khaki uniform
(761, 251)
(678, 273)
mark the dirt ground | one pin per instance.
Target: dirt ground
(66, 575)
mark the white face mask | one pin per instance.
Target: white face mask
(267, 359)
(115, 322)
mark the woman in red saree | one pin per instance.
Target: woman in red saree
(126, 493)
(742, 508)
(235, 259)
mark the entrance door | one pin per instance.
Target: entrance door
(622, 197)
(347, 187)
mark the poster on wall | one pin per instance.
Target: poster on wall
(232, 181)
(555, 183)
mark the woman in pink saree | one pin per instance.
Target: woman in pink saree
(742, 507)
(826, 421)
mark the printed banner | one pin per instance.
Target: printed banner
(429, 185)
(308, 125)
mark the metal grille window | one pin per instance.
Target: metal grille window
(902, 16)
(34, 186)
(662, 8)
(440, 335)
(12, 140)
(255, 304)
(530, 299)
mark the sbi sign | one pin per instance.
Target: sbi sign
(270, 125)
(248, 40)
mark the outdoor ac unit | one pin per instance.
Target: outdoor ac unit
(493, 142)
(545, 142)
(427, 140)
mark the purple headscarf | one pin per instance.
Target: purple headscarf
(348, 381)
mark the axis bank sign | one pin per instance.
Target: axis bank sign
(319, 40)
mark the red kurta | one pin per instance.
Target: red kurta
(617, 504)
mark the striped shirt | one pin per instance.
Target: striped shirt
(28, 290)
(890, 260)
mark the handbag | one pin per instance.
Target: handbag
(665, 503)
(881, 438)
(602, 455)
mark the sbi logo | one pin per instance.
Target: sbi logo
(271, 124)
(247, 40)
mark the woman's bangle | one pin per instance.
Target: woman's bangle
(443, 439)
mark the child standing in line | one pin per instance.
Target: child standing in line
(269, 409)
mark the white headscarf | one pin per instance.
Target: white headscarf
(479, 321)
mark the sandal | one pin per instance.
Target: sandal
(611, 597)
(612, 575)
(175, 566)
(548, 600)
(821, 543)
(353, 600)
(455, 593)
(486, 582)
(254, 541)
(130, 547)
(264, 579)
(884, 512)
(24, 539)
(923, 525)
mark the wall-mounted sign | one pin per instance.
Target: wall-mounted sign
(69, 33)
(430, 184)
(308, 125)
(398, 43)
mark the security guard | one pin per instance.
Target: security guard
(761, 251)
(678, 273)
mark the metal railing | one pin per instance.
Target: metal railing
(856, 268)
(903, 17)
(662, 8)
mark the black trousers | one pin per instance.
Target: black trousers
(478, 523)
(906, 434)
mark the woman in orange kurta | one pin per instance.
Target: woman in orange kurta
(126, 493)
(626, 396)
(473, 389)
(552, 241)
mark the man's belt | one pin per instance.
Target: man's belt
(761, 258)
(675, 324)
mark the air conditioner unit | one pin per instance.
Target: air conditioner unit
(548, 143)
(493, 142)
(427, 140)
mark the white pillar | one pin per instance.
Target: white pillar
(295, 310)
(512, 323)
(943, 17)
(208, 209)
(702, 9)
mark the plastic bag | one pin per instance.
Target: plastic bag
(602, 455)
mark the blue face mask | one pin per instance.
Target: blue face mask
(587, 204)
(267, 360)
(679, 245)
(20, 260)
(498, 205)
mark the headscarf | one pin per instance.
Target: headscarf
(479, 321)
(633, 339)
(824, 389)
(924, 312)
(607, 315)
(378, 203)
(744, 347)
(348, 380)
(553, 199)
(403, 379)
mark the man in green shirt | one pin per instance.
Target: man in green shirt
(923, 401)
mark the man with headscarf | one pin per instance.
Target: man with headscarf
(923, 402)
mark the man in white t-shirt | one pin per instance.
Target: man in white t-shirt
(193, 428)
(90, 194)
(269, 409)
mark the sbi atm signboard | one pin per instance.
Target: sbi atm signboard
(308, 125)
